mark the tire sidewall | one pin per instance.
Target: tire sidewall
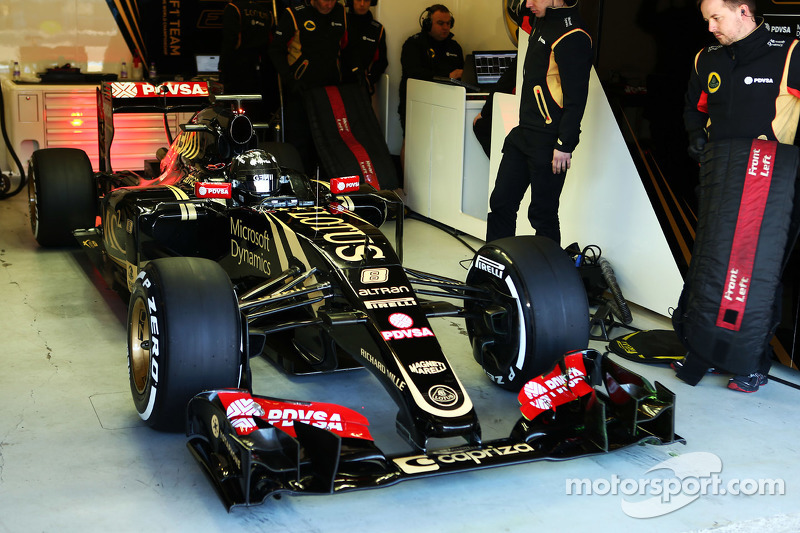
(548, 298)
(147, 291)
(192, 319)
(62, 195)
(495, 269)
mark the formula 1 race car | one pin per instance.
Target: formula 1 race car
(230, 254)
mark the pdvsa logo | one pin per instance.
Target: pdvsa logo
(404, 330)
(749, 80)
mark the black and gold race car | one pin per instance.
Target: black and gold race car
(227, 253)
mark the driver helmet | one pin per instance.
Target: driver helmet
(256, 172)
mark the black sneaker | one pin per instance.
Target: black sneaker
(749, 383)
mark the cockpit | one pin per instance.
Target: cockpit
(258, 180)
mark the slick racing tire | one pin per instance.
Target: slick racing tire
(537, 309)
(184, 337)
(61, 194)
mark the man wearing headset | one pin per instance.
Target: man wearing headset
(365, 57)
(748, 86)
(431, 52)
(555, 87)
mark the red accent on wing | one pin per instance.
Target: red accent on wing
(242, 408)
(548, 391)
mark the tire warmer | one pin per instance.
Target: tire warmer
(726, 314)
(348, 137)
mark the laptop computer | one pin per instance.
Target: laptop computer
(207, 67)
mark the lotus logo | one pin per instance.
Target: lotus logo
(714, 82)
(442, 395)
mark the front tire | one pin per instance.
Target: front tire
(62, 195)
(184, 337)
(537, 311)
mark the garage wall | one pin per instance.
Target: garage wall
(45, 33)
(479, 26)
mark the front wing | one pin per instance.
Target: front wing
(253, 447)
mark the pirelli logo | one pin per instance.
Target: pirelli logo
(492, 267)
(391, 302)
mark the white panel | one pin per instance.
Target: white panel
(604, 203)
(479, 26)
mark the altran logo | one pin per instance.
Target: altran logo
(749, 80)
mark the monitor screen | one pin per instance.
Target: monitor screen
(207, 64)
(490, 65)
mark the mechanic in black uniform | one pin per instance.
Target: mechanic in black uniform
(247, 28)
(555, 86)
(749, 87)
(433, 52)
(365, 58)
(306, 51)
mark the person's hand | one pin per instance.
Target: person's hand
(457, 73)
(476, 119)
(561, 161)
(697, 144)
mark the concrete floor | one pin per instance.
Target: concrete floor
(75, 457)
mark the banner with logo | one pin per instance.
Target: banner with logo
(170, 33)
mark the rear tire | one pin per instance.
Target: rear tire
(62, 195)
(538, 309)
(184, 337)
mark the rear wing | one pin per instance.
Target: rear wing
(143, 97)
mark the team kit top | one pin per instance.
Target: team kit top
(365, 54)
(557, 63)
(307, 46)
(749, 89)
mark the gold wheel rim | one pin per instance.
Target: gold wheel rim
(139, 343)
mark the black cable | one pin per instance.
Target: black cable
(784, 382)
(10, 147)
(445, 228)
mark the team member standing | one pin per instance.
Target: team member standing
(555, 86)
(306, 51)
(431, 52)
(749, 87)
(365, 57)
(247, 27)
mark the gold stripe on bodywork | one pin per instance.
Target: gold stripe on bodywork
(188, 209)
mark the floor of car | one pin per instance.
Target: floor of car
(75, 456)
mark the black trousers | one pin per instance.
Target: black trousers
(527, 162)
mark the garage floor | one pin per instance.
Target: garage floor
(75, 457)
